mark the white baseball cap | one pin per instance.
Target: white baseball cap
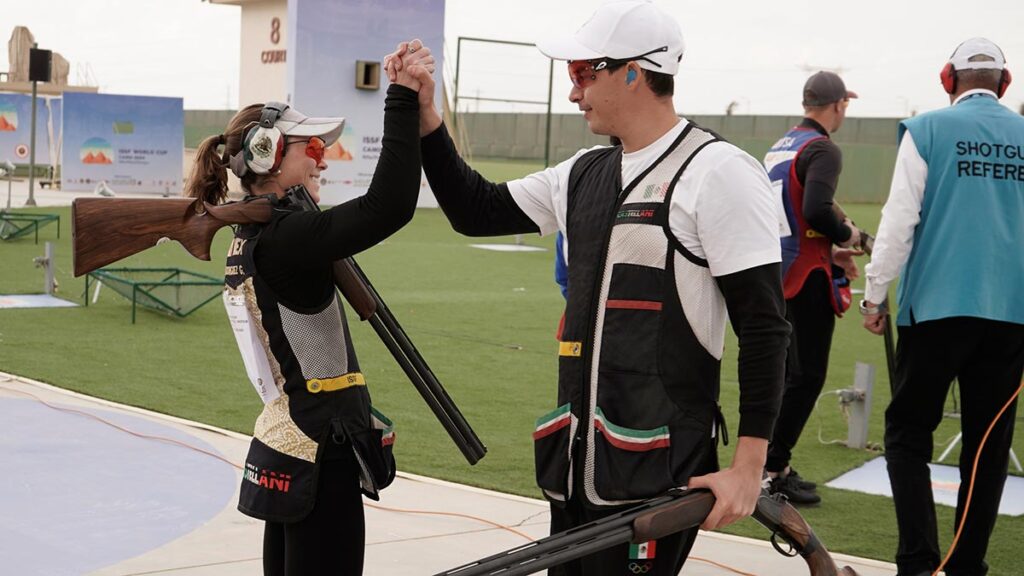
(978, 54)
(624, 30)
(295, 123)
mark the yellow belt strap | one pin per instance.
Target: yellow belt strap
(570, 348)
(334, 384)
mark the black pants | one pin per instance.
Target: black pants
(987, 358)
(328, 542)
(813, 319)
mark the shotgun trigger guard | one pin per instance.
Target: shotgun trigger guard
(791, 552)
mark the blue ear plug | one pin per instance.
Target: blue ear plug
(630, 76)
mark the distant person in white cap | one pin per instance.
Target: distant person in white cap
(817, 267)
(952, 229)
(670, 235)
(318, 446)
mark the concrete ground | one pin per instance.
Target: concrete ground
(174, 511)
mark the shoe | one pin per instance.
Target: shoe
(789, 488)
(799, 480)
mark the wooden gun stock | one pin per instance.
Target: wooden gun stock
(779, 516)
(355, 292)
(676, 516)
(105, 230)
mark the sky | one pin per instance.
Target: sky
(754, 53)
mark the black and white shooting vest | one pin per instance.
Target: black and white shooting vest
(302, 364)
(642, 342)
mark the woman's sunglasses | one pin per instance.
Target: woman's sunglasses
(315, 148)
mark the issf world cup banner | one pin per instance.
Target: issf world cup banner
(15, 128)
(133, 143)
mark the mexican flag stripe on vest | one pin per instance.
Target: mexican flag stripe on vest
(643, 551)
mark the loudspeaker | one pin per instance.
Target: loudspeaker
(39, 61)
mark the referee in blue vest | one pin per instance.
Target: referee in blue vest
(953, 228)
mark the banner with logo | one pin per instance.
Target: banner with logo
(15, 136)
(326, 39)
(133, 143)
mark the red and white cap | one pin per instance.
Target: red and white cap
(624, 30)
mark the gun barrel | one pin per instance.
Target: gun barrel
(573, 543)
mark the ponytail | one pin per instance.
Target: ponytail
(209, 178)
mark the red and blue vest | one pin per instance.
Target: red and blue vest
(804, 249)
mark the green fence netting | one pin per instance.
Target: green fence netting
(17, 224)
(171, 291)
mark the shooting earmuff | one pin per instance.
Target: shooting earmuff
(949, 81)
(263, 145)
(630, 76)
(948, 78)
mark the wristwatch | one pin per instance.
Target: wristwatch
(867, 308)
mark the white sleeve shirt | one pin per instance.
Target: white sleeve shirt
(900, 216)
(723, 208)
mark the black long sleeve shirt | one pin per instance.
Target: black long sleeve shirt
(818, 168)
(300, 246)
(753, 297)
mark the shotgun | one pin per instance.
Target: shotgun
(106, 230)
(867, 241)
(656, 518)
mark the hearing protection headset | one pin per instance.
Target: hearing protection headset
(263, 144)
(949, 81)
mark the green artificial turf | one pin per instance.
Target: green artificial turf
(485, 322)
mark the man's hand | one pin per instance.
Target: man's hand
(736, 488)
(875, 323)
(854, 239)
(843, 257)
(407, 57)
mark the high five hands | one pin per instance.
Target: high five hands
(412, 65)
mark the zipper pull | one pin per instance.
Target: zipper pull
(723, 431)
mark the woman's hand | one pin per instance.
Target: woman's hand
(412, 65)
(409, 63)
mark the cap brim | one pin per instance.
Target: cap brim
(293, 123)
(566, 49)
(851, 94)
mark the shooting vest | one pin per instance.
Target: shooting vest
(805, 249)
(642, 340)
(966, 258)
(302, 364)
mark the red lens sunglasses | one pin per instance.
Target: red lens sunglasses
(315, 148)
(584, 72)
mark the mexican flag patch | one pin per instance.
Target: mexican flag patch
(643, 551)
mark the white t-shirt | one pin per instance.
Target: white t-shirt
(723, 208)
